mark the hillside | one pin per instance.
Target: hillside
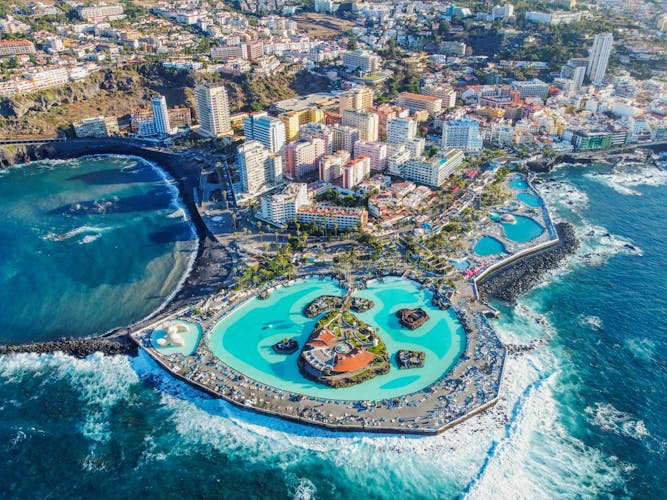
(119, 92)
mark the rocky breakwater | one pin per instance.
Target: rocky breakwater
(79, 348)
(519, 276)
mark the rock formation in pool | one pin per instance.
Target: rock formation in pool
(286, 346)
(410, 359)
(412, 318)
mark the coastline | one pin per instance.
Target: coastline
(201, 282)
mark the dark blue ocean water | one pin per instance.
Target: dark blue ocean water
(582, 416)
(87, 245)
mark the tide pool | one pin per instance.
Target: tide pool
(243, 339)
(529, 199)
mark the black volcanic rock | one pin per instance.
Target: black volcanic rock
(518, 277)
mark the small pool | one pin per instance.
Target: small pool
(523, 230)
(529, 199)
(460, 264)
(519, 183)
(189, 333)
(489, 246)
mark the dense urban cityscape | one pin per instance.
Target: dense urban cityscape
(406, 228)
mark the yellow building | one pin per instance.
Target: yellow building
(293, 120)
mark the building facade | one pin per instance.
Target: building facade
(212, 110)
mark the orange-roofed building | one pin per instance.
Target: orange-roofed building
(353, 361)
(322, 337)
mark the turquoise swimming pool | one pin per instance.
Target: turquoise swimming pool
(529, 199)
(489, 246)
(523, 230)
(243, 339)
(189, 333)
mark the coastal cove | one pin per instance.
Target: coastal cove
(209, 264)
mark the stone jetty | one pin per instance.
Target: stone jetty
(79, 348)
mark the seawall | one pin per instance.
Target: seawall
(517, 277)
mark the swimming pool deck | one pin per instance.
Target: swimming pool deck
(469, 387)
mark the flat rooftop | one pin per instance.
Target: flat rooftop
(304, 102)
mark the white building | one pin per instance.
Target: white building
(258, 166)
(531, 88)
(99, 126)
(212, 110)
(341, 218)
(320, 131)
(268, 130)
(161, 115)
(504, 12)
(356, 171)
(362, 60)
(401, 130)
(281, 208)
(376, 151)
(331, 166)
(598, 59)
(435, 171)
(344, 137)
(444, 92)
(462, 134)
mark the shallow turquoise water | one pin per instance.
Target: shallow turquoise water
(190, 338)
(523, 230)
(489, 246)
(529, 199)
(244, 339)
(460, 264)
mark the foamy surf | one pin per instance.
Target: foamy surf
(624, 179)
(608, 418)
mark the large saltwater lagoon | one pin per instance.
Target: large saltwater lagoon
(243, 339)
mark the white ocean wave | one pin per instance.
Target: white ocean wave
(89, 238)
(590, 321)
(86, 230)
(101, 381)
(642, 349)
(608, 418)
(623, 179)
(561, 195)
(300, 488)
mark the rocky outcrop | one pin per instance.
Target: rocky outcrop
(79, 348)
(12, 155)
(520, 276)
